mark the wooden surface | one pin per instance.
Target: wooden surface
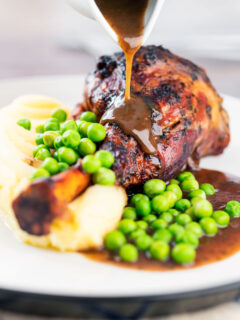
(32, 43)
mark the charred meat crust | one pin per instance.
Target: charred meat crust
(188, 118)
(46, 199)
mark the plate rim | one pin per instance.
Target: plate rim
(155, 297)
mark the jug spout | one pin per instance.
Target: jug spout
(152, 13)
(90, 9)
(83, 7)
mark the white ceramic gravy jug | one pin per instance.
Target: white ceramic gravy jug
(89, 9)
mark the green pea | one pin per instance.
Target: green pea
(83, 128)
(185, 175)
(128, 253)
(143, 242)
(58, 142)
(183, 253)
(163, 235)
(209, 226)
(69, 125)
(114, 240)
(106, 158)
(42, 154)
(195, 199)
(182, 204)
(171, 197)
(67, 155)
(159, 224)
(137, 197)
(96, 132)
(55, 155)
(174, 181)
(59, 114)
(150, 218)
(39, 139)
(127, 226)
(88, 116)
(130, 213)
(71, 139)
(208, 189)
(159, 250)
(233, 208)
(49, 138)
(78, 122)
(183, 219)
(51, 165)
(91, 164)
(189, 185)
(189, 212)
(176, 229)
(63, 166)
(154, 187)
(197, 193)
(176, 189)
(195, 228)
(105, 177)
(173, 212)
(143, 207)
(222, 218)
(202, 208)
(38, 147)
(40, 128)
(167, 216)
(40, 173)
(51, 125)
(188, 237)
(160, 204)
(137, 233)
(25, 123)
(142, 224)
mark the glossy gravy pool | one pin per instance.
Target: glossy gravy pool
(211, 249)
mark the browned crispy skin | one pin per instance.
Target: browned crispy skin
(46, 199)
(191, 122)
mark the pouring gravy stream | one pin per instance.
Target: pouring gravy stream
(133, 116)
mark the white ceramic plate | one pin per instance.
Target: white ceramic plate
(28, 269)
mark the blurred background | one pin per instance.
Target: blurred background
(47, 37)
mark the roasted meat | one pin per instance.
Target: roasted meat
(46, 199)
(188, 119)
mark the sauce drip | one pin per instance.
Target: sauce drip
(211, 249)
(134, 117)
(126, 17)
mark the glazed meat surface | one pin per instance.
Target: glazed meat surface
(189, 121)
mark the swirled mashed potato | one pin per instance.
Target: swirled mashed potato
(93, 214)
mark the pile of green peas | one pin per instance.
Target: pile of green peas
(61, 142)
(168, 219)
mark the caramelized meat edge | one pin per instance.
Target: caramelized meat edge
(189, 121)
(46, 199)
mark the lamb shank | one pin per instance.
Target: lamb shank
(188, 120)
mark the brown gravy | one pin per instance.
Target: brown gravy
(211, 249)
(126, 17)
(134, 117)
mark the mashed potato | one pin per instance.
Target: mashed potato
(93, 214)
